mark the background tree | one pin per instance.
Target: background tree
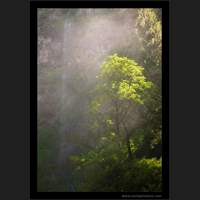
(149, 30)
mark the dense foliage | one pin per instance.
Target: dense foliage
(120, 91)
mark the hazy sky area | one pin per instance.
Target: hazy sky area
(74, 43)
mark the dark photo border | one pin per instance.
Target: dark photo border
(33, 5)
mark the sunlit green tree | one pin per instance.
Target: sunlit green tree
(121, 89)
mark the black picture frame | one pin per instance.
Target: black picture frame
(33, 5)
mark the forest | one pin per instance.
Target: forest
(99, 126)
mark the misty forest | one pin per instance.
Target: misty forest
(99, 126)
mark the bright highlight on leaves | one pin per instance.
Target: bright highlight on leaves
(123, 78)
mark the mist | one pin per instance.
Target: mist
(72, 45)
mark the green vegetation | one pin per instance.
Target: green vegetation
(121, 88)
(99, 104)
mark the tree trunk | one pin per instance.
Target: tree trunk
(117, 123)
(128, 141)
(128, 146)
